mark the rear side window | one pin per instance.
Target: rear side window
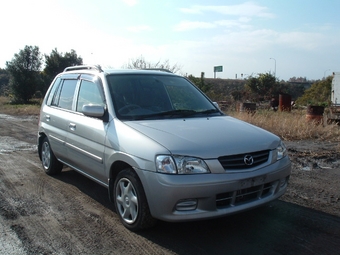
(52, 92)
(63, 97)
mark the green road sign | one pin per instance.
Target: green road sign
(218, 69)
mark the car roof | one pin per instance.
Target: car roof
(95, 69)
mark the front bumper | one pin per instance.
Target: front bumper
(203, 196)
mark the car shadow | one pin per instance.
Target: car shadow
(276, 228)
(86, 186)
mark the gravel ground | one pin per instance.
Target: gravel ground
(70, 214)
(314, 182)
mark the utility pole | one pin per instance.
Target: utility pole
(274, 66)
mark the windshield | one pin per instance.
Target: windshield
(139, 96)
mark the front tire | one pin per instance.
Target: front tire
(130, 201)
(50, 163)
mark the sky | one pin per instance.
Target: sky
(287, 38)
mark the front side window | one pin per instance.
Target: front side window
(89, 93)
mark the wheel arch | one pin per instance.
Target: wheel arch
(120, 171)
(41, 138)
(116, 167)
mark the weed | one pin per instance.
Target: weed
(290, 125)
(7, 107)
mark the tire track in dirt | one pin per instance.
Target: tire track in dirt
(29, 246)
(15, 203)
(99, 227)
(64, 210)
(7, 210)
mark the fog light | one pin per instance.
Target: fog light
(186, 205)
(283, 182)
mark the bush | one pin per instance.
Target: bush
(318, 94)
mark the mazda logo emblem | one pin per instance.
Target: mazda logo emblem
(248, 160)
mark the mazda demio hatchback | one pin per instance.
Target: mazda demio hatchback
(159, 145)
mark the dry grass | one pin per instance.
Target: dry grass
(19, 109)
(290, 125)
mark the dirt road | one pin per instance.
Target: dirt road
(70, 214)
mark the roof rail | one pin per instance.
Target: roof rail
(83, 67)
(158, 69)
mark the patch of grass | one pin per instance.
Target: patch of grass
(290, 126)
(6, 107)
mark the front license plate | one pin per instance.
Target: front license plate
(251, 182)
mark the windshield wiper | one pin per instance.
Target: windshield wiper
(172, 113)
(209, 111)
(176, 113)
(181, 113)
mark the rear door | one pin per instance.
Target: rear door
(57, 111)
(86, 135)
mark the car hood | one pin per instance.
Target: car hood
(206, 137)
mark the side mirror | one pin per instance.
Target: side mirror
(216, 104)
(92, 110)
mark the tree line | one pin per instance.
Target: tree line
(264, 87)
(24, 78)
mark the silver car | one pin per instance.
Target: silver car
(161, 147)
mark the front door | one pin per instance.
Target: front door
(86, 135)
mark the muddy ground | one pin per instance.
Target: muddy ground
(70, 214)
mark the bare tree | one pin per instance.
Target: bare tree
(141, 63)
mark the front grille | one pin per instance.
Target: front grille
(238, 162)
(242, 196)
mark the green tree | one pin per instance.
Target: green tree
(56, 62)
(262, 87)
(24, 70)
(318, 94)
(200, 83)
(4, 81)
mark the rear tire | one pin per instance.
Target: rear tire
(50, 163)
(130, 201)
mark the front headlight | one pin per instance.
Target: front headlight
(180, 165)
(281, 151)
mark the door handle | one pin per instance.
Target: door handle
(48, 117)
(72, 126)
